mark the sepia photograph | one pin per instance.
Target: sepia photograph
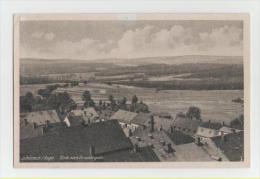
(131, 90)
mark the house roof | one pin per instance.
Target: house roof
(191, 152)
(144, 154)
(187, 124)
(90, 111)
(75, 120)
(41, 117)
(142, 119)
(228, 129)
(211, 125)
(179, 137)
(164, 123)
(124, 116)
(206, 132)
(106, 137)
(232, 146)
(27, 130)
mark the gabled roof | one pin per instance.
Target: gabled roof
(211, 125)
(179, 137)
(142, 119)
(75, 121)
(230, 130)
(206, 132)
(162, 123)
(232, 146)
(41, 117)
(90, 112)
(144, 154)
(184, 124)
(105, 137)
(124, 116)
(27, 130)
(191, 153)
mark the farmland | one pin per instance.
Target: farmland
(215, 105)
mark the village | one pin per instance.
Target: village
(54, 127)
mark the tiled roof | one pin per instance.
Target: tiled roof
(207, 132)
(124, 116)
(27, 130)
(188, 126)
(106, 137)
(41, 117)
(226, 129)
(232, 146)
(211, 125)
(142, 119)
(144, 154)
(179, 137)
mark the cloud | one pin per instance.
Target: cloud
(37, 35)
(41, 35)
(49, 36)
(149, 41)
(146, 42)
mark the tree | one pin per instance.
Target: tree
(111, 98)
(25, 106)
(194, 112)
(86, 96)
(112, 101)
(134, 99)
(238, 122)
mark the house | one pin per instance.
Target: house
(29, 130)
(185, 125)
(142, 119)
(162, 145)
(80, 143)
(204, 132)
(40, 118)
(207, 130)
(162, 123)
(73, 121)
(88, 114)
(125, 118)
(228, 130)
(164, 115)
(179, 137)
(231, 145)
(165, 148)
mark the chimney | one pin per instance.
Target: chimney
(152, 123)
(169, 148)
(198, 141)
(130, 133)
(35, 125)
(171, 129)
(47, 123)
(161, 128)
(223, 137)
(135, 148)
(92, 151)
(26, 121)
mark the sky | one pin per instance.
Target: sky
(89, 40)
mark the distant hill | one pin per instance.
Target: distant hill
(47, 66)
(178, 60)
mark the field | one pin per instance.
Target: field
(166, 84)
(215, 105)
